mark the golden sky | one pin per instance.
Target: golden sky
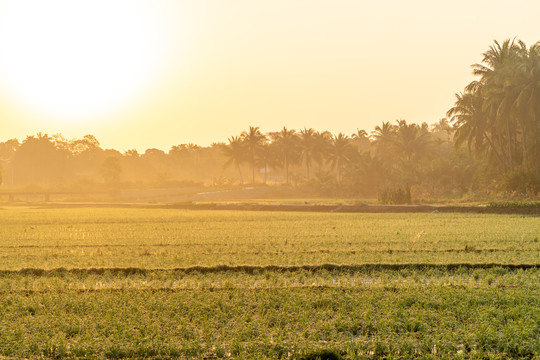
(156, 73)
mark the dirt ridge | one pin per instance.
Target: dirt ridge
(307, 207)
(251, 269)
(362, 208)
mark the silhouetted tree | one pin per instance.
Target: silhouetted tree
(40, 159)
(111, 170)
(499, 113)
(235, 153)
(341, 152)
(311, 148)
(254, 140)
(267, 158)
(287, 148)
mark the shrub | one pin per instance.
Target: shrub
(515, 204)
(395, 195)
(522, 182)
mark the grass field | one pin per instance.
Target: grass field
(483, 305)
(160, 238)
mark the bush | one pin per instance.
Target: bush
(514, 204)
(395, 195)
(522, 182)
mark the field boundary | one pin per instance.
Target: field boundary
(386, 288)
(466, 249)
(335, 208)
(361, 208)
(248, 269)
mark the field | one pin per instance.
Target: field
(157, 283)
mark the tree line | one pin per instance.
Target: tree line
(488, 143)
(497, 116)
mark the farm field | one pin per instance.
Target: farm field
(150, 283)
(161, 238)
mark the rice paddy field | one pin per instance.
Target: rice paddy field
(122, 283)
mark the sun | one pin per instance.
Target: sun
(77, 60)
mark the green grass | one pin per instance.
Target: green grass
(161, 238)
(515, 204)
(160, 310)
(356, 315)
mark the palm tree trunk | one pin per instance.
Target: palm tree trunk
(509, 145)
(536, 167)
(524, 160)
(495, 150)
(500, 141)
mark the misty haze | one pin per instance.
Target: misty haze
(287, 179)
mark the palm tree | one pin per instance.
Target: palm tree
(470, 121)
(235, 152)
(286, 142)
(253, 140)
(498, 95)
(361, 139)
(360, 135)
(527, 104)
(411, 143)
(311, 148)
(443, 126)
(341, 152)
(369, 172)
(502, 108)
(267, 158)
(323, 142)
(382, 136)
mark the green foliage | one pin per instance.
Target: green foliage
(515, 204)
(409, 313)
(522, 182)
(395, 195)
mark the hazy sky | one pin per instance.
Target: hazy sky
(156, 73)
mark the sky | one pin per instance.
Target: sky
(142, 74)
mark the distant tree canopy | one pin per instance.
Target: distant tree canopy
(488, 143)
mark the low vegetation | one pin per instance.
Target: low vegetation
(163, 238)
(430, 313)
(122, 283)
(515, 204)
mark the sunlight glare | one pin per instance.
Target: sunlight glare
(79, 59)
